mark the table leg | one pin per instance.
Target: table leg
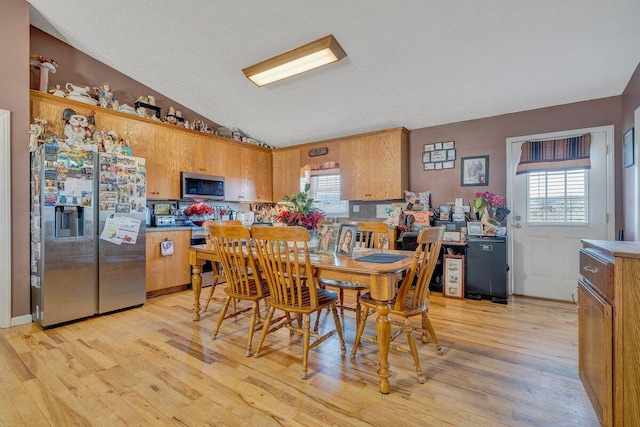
(196, 284)
(383, 330)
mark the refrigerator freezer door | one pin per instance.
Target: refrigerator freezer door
(69, 274)
(63, 246)
(121, 256)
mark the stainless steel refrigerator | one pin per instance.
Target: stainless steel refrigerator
(87, 234)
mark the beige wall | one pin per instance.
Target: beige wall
(630, 102)
(14, 96)
(488, 137)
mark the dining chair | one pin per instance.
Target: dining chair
(371, 235)
(412, 299)
(243, 278)
(283, 254)
(216, 269)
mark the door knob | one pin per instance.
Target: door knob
(518, 226)
(517, 217)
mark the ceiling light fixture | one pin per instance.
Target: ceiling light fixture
(304, 58)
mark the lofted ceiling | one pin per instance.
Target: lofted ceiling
(412, 63)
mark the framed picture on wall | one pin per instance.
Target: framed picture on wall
(453, 285)
(474, 171)
(628, 152)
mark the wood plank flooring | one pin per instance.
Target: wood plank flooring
(513, 365)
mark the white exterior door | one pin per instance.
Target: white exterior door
(544, 254)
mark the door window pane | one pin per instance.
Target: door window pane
(557, 197)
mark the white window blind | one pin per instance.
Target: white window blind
(325, 192)
(557, 197)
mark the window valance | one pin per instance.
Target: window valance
(553, 154)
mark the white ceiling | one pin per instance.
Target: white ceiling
(412, 63)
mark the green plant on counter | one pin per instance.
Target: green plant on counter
(300, 210)
(302, 203)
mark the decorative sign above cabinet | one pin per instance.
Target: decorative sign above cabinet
(315, 152)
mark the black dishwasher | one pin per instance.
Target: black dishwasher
(487, 269)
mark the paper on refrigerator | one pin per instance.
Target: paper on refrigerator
(120, 229)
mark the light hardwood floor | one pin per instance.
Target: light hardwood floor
(513, 365)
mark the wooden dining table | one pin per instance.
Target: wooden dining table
(382, 278)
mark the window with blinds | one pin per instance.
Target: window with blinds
(325, 192)
(557, 197)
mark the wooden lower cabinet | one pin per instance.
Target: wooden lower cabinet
(168, 273)
(595, 351)
(609, 329)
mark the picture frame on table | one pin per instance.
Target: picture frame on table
(474, 228)
(453, 284)
(628, 148)
(347, 239)
(474, 171)
(327, 238)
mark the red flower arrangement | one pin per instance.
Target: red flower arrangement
(198, 209)
(309, 220)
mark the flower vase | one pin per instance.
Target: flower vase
(198, 219)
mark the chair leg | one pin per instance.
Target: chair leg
(336, 320)
(414, 349)
(265, 330)
(359, 331)
(211, 291)
(341, 301)
(426, 323)
(223, 312)
(252, 325)
(305, 349)
(317, 325)
(358, 309)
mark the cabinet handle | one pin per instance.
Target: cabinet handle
(591, 270)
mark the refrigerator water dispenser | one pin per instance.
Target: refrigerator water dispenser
(69, 221)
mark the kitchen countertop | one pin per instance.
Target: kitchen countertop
(174, 228)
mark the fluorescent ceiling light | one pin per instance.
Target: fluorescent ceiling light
(304, 58)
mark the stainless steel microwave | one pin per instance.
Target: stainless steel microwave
(198, 186)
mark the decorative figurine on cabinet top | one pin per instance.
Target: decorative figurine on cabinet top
(105, 95)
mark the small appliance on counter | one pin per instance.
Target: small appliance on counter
(165, 220)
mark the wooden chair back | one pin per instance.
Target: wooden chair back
(372, 235)
(230, 243)
(207, 234)
(424, 263)
(283, 254)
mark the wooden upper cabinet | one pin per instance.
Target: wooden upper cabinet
(258, 166)
(286, 172)
(374, 166)
(169, 150)
(248, 174)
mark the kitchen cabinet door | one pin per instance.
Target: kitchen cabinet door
(375, 166)
(257, 175)
(595, 353)
(286, 172)
(168, 272)
(247, 174)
